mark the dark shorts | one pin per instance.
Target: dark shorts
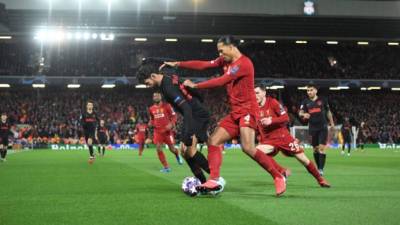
(4, 141)
(347, 139)
(200, 129)
(103, 140)
(90, 134)
(319, 137)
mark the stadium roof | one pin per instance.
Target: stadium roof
(25, 22)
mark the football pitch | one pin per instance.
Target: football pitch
(47, 187)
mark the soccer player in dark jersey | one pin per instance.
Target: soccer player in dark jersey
(5, 130)
(346, 134)
(188, 104)
(89, 122)
(361, 136)
(238, 79)
(103, 137)
(316, 110)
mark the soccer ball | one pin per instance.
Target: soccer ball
(189, 185)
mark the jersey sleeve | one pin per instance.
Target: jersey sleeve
(279, 110)
(201, 65)
(303, 106)
(326, 105)
(233, 73)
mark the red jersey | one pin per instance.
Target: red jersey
(161, 115)
(141, 130)
(272, 108)
(239, 80)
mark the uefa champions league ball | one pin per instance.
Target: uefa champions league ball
(189, 185)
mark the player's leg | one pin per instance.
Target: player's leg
(315, 145)
(348, 146)
(175, 151)
(89, 142)
(247, 140)
(226, 130)
(158, 141)
(343, 146)
(103, 148)
(162, 158)
(322, 141)
(195, 160)
(272, 151)
(309, 165)
(4, 149)
(169, 139)
(215, 143)
(2, 152)
(99, 149)
(216, 140)
(141, 147)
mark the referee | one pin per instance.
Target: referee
(316, 110)
(188, 103)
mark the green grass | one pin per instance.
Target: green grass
(59, 187)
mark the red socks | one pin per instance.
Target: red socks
(214, 161)
(141, 149)
(162, 158)
(313, 171)
(267, 162)
(278, 167)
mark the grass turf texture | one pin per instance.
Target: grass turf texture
(59, 187)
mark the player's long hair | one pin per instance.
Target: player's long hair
(152, 65)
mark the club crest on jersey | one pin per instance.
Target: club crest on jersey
(234, 70)
(319, 102)
(247, 119)
(282, 109)
(177, 99)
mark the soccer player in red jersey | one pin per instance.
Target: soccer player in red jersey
(275, 137)
(141, 131)
(238, 78)
(163, 119)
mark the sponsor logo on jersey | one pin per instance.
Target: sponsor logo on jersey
(314, 110)
(234, 70)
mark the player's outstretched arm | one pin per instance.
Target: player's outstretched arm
(194, 64)
(220, 81)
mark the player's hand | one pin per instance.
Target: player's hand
(266, 121)
(171, 64)
(169, 127)
(189, 83)
(306, 116)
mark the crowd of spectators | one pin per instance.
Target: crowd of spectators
(281, 60)
(52, 116)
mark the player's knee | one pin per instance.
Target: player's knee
(248, 149)
(213, 141)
